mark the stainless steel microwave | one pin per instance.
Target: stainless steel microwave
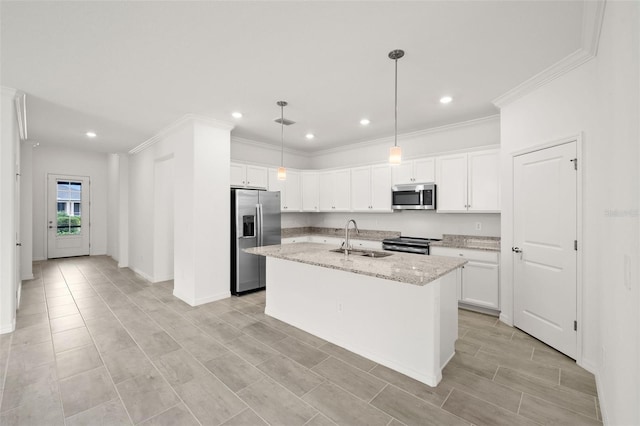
(416, 196)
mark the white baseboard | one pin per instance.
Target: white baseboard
(142, 274)
(10, 328)
(189, 299)
(160, 279)
(506, 319)
(28, 277)
(588, 365)
(602, 399)
(19, 296)
(38, 259)
(123, 265)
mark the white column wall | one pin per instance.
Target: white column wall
(211, 215)
(200, 152)
(8, 279)
(600, 100)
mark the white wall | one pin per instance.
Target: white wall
(163, 224)
(141, 200)
(113, 196)
(251, 152)
(26, 209)
(422, 224)
(8, 273)
(460, 136)
(600, 101)
(617, 157)
(63, 161)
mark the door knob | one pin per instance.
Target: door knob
(516, 249)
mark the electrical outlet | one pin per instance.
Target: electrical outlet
(478, 226)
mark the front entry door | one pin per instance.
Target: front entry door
(67, 216)
(545, 259)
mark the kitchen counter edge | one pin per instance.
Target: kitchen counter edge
(405, 268)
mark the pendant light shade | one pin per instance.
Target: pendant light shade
(395, 153)
(282, 171)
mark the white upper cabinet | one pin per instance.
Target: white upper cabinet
(468, 182)
(290, 196)
(451, 189)
(248, 176)
(310, 188)
(484, 181)
(422, 170)
(335, 190)
(371, 188)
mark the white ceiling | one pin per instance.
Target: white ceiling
(128, 69)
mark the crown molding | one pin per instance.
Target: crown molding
(592, 17)
(411, 135)
(177, 124)
(265, 145)
(8, 91)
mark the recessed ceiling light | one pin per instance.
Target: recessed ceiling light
(309, 136)
(91, 134)
(236, 114)
(365, 121)
(445, 99)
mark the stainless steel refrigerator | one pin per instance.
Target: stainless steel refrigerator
(255, 221)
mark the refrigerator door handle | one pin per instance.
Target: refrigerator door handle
(259, 224)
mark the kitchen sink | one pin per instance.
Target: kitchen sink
(365, 253)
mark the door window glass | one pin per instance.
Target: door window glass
(69, 200)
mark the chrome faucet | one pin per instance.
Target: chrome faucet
(347, 243)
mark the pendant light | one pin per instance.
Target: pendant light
(282, 172)
(395, 153)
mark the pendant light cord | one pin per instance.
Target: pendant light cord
(282, 135)
(395, 139)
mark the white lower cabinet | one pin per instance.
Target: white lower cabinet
(480, 284)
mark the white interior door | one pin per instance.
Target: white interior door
(545, 260)
(68, 216)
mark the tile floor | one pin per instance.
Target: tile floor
(95, 344)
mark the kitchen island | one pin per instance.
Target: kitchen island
(399, 311)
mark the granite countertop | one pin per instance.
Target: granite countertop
(401, 267)
(364, 234)
(472, 242)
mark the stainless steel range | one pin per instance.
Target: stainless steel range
(408, 244)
